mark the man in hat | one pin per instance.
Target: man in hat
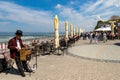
(15, 44)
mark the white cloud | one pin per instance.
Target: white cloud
(117, 3)
(4, 23)
(85, 6)
(75, 18)
(106, 5)
(71, 2)
(38, 20)
(98, 17)
(100, 6)
(94, 6)
(19, 14)
(58, 6)
(89, 13)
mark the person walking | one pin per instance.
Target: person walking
(15, 44)
(96, 37)
(104, 37)
(91, 37)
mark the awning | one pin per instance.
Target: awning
(104, 29)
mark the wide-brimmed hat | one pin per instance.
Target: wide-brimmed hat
(19, 32)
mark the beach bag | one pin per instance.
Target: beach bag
(3, 65)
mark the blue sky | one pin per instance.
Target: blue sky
(38, 15)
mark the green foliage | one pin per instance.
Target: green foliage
(112, 18)
(96, 27)
(99, 22)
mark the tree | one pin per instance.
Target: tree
(99, 23)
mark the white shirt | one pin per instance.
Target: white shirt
(18, 45)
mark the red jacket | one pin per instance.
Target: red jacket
(12, 44)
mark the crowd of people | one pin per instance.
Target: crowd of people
(95, 37)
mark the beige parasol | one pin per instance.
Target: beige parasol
(77, 31)
(56, 34)
(74, 32)
(71, 30)
(81, 31)
(66, 30)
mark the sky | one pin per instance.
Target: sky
(38, 15)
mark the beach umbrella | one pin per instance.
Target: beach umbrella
(112, 27)
(66, 30)
(81, 31)
(56, 32)
(71, 30)
(77, 31)
(74, 31)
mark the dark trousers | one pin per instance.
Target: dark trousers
(21, 64)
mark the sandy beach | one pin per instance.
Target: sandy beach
(67, 67)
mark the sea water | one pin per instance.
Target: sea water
(6, 36)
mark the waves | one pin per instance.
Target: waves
(5, 36)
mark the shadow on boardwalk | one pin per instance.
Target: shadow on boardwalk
(118, 44)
